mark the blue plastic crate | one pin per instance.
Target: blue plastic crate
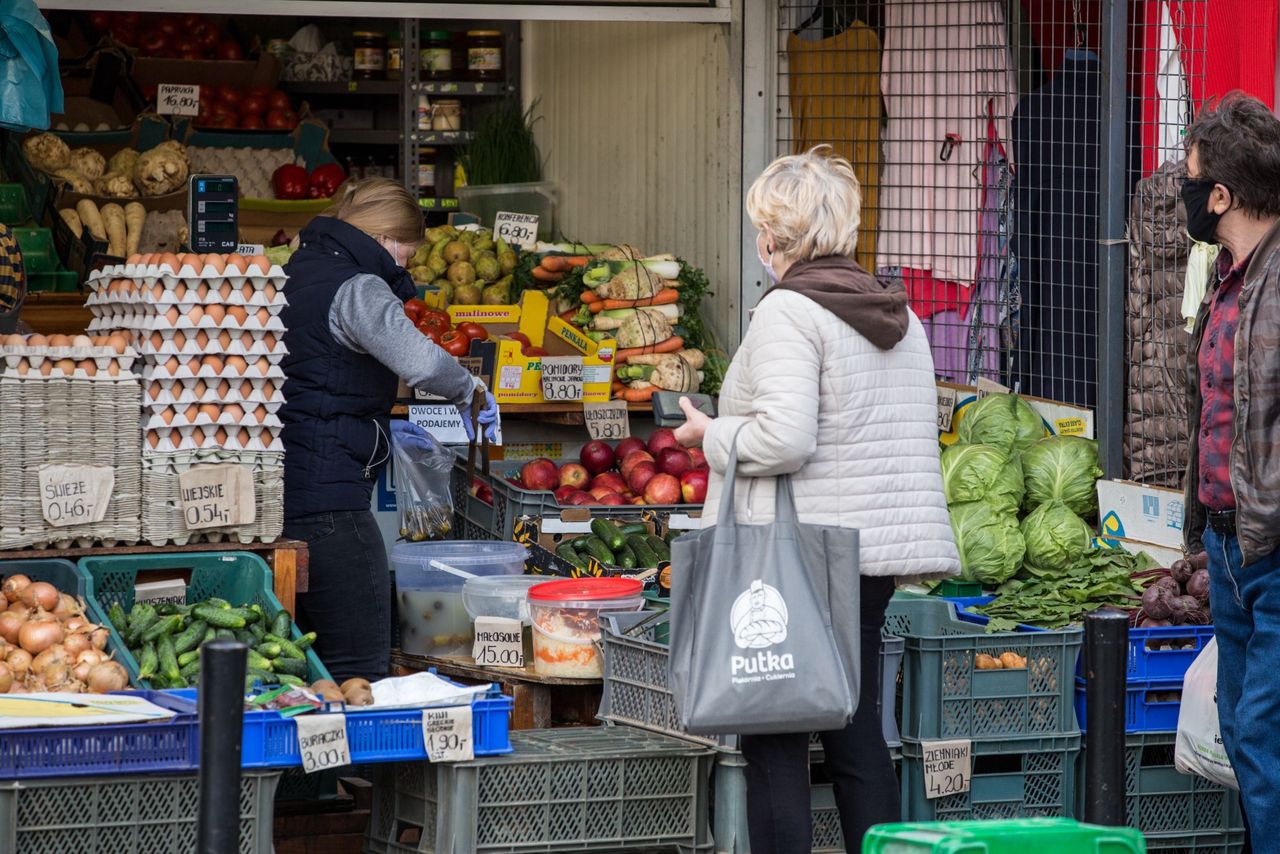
(270, 740)
(1142, 712)
(90, 751)
(963, 603)
(1148, 661)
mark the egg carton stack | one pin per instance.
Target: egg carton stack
(210, 338)
(70, 400)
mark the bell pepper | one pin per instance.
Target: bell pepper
(325, 181)
(289, 182)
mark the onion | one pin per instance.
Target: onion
(6, 679)
(36, 637)
(92, 656)
(74, 624)
(13, 585)
(81, 671)
(21, 610)
(19, 662)
(67, 607)
(99, 638)
(55, 676)
(10, 625)
(76, 644)
(40, 593)
(56, 654)
(4, 602)
(107, 677)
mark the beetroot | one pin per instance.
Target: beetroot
(1169, 583)
(1152, 623)
(1155, 601)
(1181, 570)
(1198, 585)
(1200, 561)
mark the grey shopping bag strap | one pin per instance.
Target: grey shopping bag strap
(784, 496)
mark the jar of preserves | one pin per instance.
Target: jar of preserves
(446, 115)
(370, 56)
(426, 171)
(484, 54)
(436, 56)
(395, 57)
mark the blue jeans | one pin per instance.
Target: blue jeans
(1246, 620)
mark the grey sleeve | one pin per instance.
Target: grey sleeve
(368, 318)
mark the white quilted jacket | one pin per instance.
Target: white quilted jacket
(854, 426)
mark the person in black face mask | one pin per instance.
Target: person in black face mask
(1232, 197)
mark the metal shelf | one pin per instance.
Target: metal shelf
(442, 137)
(462, 87)
(359, 136)
(432, 203)
(351, 87)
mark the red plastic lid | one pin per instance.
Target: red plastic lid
(587, 589)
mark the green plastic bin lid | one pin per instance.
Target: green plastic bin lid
(1014, 836)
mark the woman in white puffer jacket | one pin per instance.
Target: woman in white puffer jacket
(834, 385)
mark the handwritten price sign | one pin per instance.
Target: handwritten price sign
(562, 378)
(173, 99)
(322, 741)
(517, 228)
(947, 767)
(607, 421)
(216, 496)
(75, 495)
(447, 733)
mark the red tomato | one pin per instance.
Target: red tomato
(437, 319)
(433, 334)
(262, 92)
(251, 122)
(153, 43)
(519, 336)
(230, 95)
(455, 343)
(282, 119)
(415, 309)
(169, 25)
(278, 100)
(253, 105)
(187, 45)
(208, 37)
(474, 331)
(101, 21)
(224, 121)
(229, 50)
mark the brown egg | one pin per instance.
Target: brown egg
(263, 366)
(202, 292)
(169, 260)
(89, 366)
(153, 391)
(238, 314)
(200, 389)
(217, 262)
(223, 390)
(216, 313)
(59, 341)
(171, 316)
(166, 415)
(235, 410)
(156, 339)
(195, 314)
(175, 437)
(224, 338)
(113, 368)
(270, 341)
(153, 439)
(225, 291)
(246, 389)
(46, 367)
(237, 365)
(81, 341)
(220, 437)
(235, 264)
(214, 362)
(202, 339)
(180, 291)
(211, 410)
(23, 367)
(189, 260)
(171, 365)
(246, 341)
(157, 291)
(65, 365)
(270, 291)
(269, 389)
(264, 315)
(261, 414)
(191, 413)
(37, 341)
(259, 263)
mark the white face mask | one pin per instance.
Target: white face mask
(394, 251)
(767, 263)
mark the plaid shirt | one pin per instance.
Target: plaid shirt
(1217, 387)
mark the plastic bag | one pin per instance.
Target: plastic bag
(1199, 748)
(423, 475)
(28, 59)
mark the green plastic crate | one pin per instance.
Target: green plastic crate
(1010, 778)
(1056, 835)
(239, 577)
(13, 204)
(945, 695)
(55, 281)
(37, 249)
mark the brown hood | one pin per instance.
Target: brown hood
(852, 294)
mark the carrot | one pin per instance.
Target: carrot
(544, 275)
(672, 344)
(563, 263)
(588, 297)
(638, 395)
(597, 306)
(666, 296)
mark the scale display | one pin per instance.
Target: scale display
(213, 213)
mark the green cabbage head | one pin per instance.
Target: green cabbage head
(1004, 420)
(982, 473)
(1056, 538)
(1062, 468)
(990, 545)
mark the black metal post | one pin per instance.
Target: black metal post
(221, 707)
(1106, 647)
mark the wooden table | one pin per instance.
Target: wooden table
(56, 313)
(541, 702)
(287, 559)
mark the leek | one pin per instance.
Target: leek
(662, 267)
(671, 312)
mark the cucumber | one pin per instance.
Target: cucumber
(634, 528)
(190, 637)
(259, 633)
(660, 548)
(580, 543)
(671, 536)
(566, 551)
(287, 648)
(281, 624)
(291, 666)
(305, 641)
(644, 554)
(222, 618)
(626, 557)
(251, 677)
(163, 628)
(148, 661)
(609, 534)
(290, 680)
(188, 657)
(226, 634)
(117, 618)
(168, 609)
(598, 550)
(168, 659)
(270, 650)
(246, 637)
(209, 634)
(257, 662)
(190, 670)
(215, 602)
(141, 618)
(259, 614)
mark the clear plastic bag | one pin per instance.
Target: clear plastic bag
(423, 475)
(1198, 749)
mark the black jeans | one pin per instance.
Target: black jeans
(857, 759)
(348, 598)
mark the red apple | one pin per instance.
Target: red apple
(698, 458)
(599, 492)
(613, 499)
(628, 446)
(540, 475)
(581, 499)
(574, 475)
(610, 480)
(631, 460)
(597, 456)
(638, 501)
(662, 489)
(563, 494)
(674, 461)
(640, 475)
(693, 486)
(663, 437)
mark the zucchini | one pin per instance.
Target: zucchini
(598, 550)
(190, 637)
(163, 628)
(270, 650)
(609, 534)
(660, 548)
(566, 551)
(291, 666)
(626, 557)
(222, 618)
(287, 648)
(168, 659)
(281, 624)
(644, 554)
(148, 661)
(580, 543)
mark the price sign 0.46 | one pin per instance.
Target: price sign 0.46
(75, 495)
(517, 228)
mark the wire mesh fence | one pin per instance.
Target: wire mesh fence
(975, 128)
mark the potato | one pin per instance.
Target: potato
(320, 684)
(356, 683)
(360, 698)
(986, 662)
(330, 695)
(1012, 661)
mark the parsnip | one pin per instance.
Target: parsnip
(72, 219)
(91, 218)
(134, 217)
(113, 216)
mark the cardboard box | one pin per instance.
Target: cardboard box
(149, 72)
(543, 535)
(1060, 419)
(1162, 555)
(1134, 511)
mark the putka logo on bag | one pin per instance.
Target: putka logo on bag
(759, 621)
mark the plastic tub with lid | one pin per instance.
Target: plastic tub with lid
(429, 580)
(500, 596)
(566, 622)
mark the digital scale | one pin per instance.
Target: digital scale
(213, 213)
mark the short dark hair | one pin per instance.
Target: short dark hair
(1237, 141)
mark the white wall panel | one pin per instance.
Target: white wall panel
(641, 133)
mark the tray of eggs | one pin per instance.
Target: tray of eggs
(62, 356)
(212, 437)
(128, 292)
(162, 392)
(227, 342)
(168, 268)
(214, 366)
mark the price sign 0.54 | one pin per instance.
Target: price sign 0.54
(517, 228)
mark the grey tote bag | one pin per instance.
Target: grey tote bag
(764, 622)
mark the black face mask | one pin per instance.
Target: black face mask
(1202, 223)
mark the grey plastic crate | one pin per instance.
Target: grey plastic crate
(636, 692)
(594, 789)
(1195, 843)
(152, 813)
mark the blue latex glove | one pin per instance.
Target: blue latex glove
(489, 416)
(406, 434)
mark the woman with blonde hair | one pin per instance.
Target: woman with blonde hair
(833, 385)
(349, 343)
